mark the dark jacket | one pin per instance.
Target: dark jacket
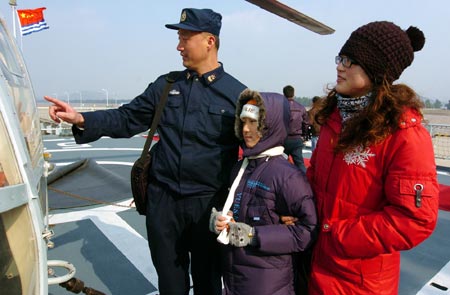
(197, 146)
(270, 187)
(298, 119)
(311, 114)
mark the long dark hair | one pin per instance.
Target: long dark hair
(378, 120)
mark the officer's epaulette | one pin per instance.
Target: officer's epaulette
(228, 86)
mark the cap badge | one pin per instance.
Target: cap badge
(183, 16)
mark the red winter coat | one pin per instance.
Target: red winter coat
(367, 209)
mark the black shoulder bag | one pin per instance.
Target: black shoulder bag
(140, 169)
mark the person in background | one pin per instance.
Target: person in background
(259, 256)
(373, 172)
(315, 106)
(297, 124)
(192, 160)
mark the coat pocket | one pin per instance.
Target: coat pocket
(221, 118)
(172, 115)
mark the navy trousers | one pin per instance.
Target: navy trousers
(180, 240)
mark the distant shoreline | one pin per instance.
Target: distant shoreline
(432, 116)
(437, 116)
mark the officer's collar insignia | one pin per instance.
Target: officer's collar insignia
(188, 75)
(174, 92)
(211, 78)
(183, 16)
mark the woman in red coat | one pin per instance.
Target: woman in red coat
(373, 172)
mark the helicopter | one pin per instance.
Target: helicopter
(25, 234)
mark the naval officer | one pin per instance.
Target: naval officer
(191, 163)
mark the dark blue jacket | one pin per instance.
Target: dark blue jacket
(197, 146)
(270, 187)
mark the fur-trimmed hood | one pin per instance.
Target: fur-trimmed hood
(273, 120)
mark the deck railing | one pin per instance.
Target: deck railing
(440, 135)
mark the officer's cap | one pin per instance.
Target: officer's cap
(199, 20)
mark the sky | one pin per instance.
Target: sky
(116, 48)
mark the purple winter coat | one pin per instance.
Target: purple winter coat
(298, 118)
(269, 188)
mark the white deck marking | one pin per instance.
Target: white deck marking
(439, 284)
(72, 139)
(57, 139)
(120, 233)
(443, 172)
(94, 149)
(99, 162)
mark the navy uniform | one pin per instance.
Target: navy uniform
(190, 169)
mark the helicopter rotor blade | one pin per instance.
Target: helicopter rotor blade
(293, 15)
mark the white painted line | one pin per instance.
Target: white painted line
(115, 163)
(57, 139)
(443, 173)
(73, 216)
(94, 149)
(71, 138)
(127, 240)
(72, 145)
(99, 162)
(439, 284)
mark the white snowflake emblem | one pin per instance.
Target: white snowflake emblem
(358, 156)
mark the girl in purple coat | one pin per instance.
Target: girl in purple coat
(258, 248)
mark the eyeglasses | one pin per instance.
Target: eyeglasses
(346, 61)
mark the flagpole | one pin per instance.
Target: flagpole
(15, 18)
(13, 4)
(21, 42)
(21, 39)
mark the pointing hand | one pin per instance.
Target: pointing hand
(63, 111)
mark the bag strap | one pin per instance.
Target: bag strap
(171, 77)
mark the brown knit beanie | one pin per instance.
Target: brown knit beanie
(383, 49)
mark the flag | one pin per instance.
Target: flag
(32, 20)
